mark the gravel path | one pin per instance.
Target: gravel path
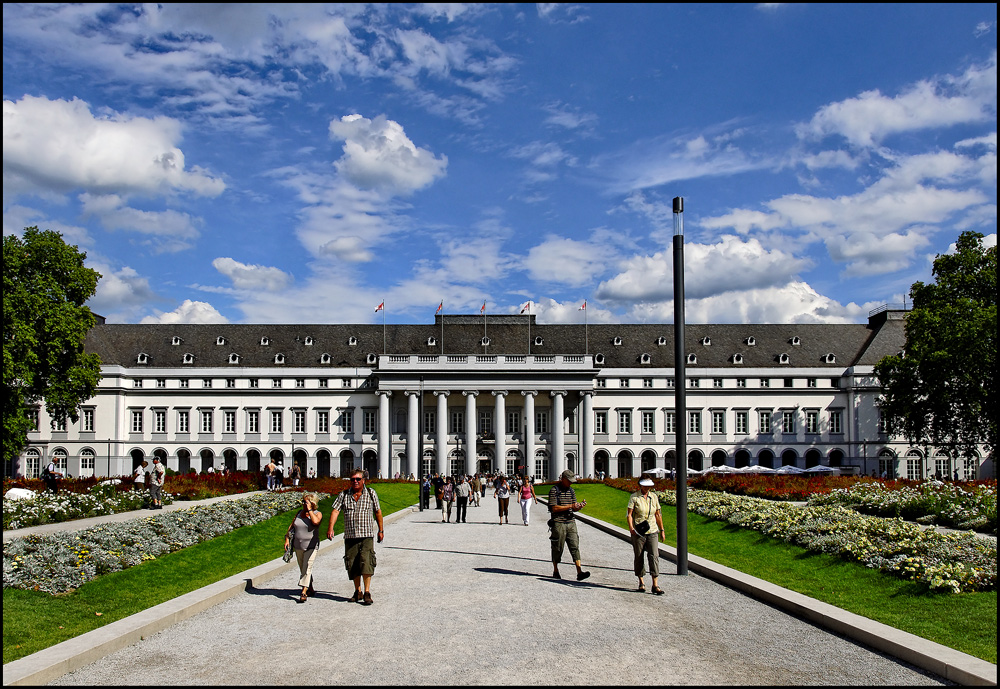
(474, 604)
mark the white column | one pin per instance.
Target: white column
(470, 431)
(384, 433)
(412, 432)
(500, 429)
(442, 432)
(529, 433)
(558, 453)
(587, 436)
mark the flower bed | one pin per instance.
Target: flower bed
(63, 561)
(49, 508)
(956, 562)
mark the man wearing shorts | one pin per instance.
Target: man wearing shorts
(361, 509)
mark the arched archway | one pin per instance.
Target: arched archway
(741, 459)
(624, 464)
(602, 462)
(229, 458)
(648, 460)
(183, 461)
(137, 456)
(696, 460)
(719, 458)
(541, 465)
(514, 460)
(323, 463)
(788, 457)
(369, 462)
(766, 459)
(812, 458)
(837, 458)
(346, 463)
(207, 459)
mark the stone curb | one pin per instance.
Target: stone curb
(945, 662)
(53, 662)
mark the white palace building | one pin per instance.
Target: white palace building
(477, 394)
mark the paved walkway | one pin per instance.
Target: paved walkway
(474, 604)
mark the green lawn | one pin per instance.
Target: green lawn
(33, 621)
(966, 622)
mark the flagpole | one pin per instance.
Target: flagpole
(383, 326)
(529, 327)
(442, 326)
(586, 338)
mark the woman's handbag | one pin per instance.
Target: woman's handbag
(287, 557)
(642, 527)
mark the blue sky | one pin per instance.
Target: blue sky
(303, 164)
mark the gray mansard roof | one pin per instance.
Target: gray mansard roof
(623, 345)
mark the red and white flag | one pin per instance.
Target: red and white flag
(440, 306)
(527, 307)
(483, 310)
(583, 307)
(380, 307)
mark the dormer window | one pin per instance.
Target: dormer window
(830, 359)
(234, 358)
(325, 358)
(220, 340)
(143, 358)
(599, 359)
(175, 340)
(706, 341)
(645, 358)
(783, 359)
(795, 341)
(308, 340)
(371, 359)
(279, 358)
(751, 341)
(539, 341)
(264, 342)
(432, 342)
(661, 341)
(617, 342)
(352, 341)
(692, 358)
(188, 359)
(485, 341)
(737, 358)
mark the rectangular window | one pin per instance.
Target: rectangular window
(600, 422)
(694, 422)
(765, 382)
(137, 382)
(484, 421)
(694, 382)
(33, 417)
(742, 422)
(276, 382)
(430, 420)
(299, 421)
(88, 420)
(323, 421)
(206, 421)
(230, 382)
(836, 421)
(513, 421)
(541, 421)
(881, 422)
(717, 382)
(625, 422)
(812, 422)
(370, 420)
(741, 382)
(159, 421)
(253, 421)
(59, 425)
(647, 382)
(255, 382)
(300, 382)
(183, 421)
(670, 382)
(623, 382)
(647, 422)
(718, 422)
(136, 421)
(183, 383)
(324, 382)
(602, 382)
(456, 420)
(835, 382)
(206, 382)
(811, 382)
(347, 382)
(161, 382)
(789, 382)
(670, 422)
(346, 420)
(787, 422)
(764, 418)
(229, 421)
(276, 422)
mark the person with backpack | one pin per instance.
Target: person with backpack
(362, 511)
(51, 475)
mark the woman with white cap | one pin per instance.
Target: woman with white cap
(643, 509)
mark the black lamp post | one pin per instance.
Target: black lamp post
(680, 388)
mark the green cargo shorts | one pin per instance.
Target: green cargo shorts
(359, 557)
(564, 534)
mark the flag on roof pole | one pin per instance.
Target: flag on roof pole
(586, 338)
(483, 309)
(440, 306)
(527, 307)
(583, 306)
(380, 306)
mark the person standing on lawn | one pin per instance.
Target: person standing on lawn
(643, 509)
(156, 480)
(563, 505)
(361, 509)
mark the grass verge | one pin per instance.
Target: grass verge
(966, 622)
(33, 621)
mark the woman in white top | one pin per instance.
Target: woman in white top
(502, 494)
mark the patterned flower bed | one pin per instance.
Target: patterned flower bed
(63, 561)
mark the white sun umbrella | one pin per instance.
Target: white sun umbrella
(789, 469)
(658, 471)
(820, 469)
(758, 469)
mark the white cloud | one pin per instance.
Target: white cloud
(379, 155)
(17, 217)
(551, 311)
(171, 230)
(119, 291)
(198, 312)
(568, 261)
(562, 115)
(871, 116)
(58, 145)
(252, 277)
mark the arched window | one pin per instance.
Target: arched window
(624, 464)
(32, 463)
(88, 461)
(719, 458)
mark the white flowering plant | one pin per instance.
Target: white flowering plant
(97, 501)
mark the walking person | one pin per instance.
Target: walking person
(462, 492)
(270, 469)
(643, 508)
(477, 485)
(303, 534)
(527, 497)
(157, 478)
(447, 500)
(51, 475)
(563, 506)
(361, 513)
(502, 494)
(425, 492)
(438, 483)
(296, 474)
(139, 476)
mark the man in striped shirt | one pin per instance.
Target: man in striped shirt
(563, 505)
(359, 505)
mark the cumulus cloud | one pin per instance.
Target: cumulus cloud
(120, 292)
(197, 312)
(379, 155)
(59, 145)
(171, 230)
(252, 277)
(568, 261)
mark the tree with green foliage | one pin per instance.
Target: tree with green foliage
(45, 285)
(942, 389)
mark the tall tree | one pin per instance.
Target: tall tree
(45, 285)
(942, 390)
